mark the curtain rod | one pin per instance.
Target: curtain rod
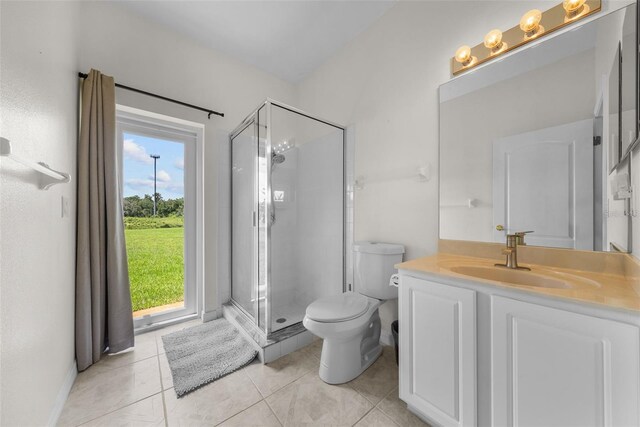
(206, 110)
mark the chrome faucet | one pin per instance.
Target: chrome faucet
(511, 251)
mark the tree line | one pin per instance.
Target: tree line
(136, 206)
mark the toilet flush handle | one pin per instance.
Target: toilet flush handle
(394, 280)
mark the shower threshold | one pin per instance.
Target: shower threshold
(277, 344)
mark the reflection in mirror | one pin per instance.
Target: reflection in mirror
(614, 111)
(629, 111)
(526, 143)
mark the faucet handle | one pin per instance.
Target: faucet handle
(520, 237)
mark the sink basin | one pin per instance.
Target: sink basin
(516, 277)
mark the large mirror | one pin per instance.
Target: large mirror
(539, 141)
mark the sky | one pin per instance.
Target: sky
(138, 166)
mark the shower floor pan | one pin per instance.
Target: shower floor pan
(279, 343)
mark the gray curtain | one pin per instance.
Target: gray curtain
(103, 301)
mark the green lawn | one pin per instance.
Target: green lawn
(156, 263)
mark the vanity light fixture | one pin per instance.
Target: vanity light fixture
(533, 25)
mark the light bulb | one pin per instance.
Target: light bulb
(572, 6)
(575, 9)
(493, 39)
(530, 21)
(463, 55)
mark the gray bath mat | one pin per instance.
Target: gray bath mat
(204, 353)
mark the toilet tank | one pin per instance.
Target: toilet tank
(373, 266)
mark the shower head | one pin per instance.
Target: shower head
(276, 159)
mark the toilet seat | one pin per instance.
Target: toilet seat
(338, 308)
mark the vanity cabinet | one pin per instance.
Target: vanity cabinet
(438, 351)
(473, 354)
(557, 368)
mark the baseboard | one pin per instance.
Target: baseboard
(63, 393)
(210, 315)
(386, 338)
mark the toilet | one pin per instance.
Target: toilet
(349, 323)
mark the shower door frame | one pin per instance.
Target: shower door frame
(252, 118)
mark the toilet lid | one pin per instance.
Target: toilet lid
(338, 308)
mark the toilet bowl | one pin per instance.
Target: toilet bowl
(351, 334)
(349, 323)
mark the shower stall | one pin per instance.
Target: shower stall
(287, 214)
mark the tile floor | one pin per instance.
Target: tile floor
(135, 389)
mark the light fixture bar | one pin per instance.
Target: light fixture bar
(533, 25)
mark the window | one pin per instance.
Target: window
(162, 204)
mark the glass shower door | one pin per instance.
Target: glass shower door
(249, 218)
(244, 236)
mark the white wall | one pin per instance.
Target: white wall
(37, 246)
(385, 83)
(147, 56)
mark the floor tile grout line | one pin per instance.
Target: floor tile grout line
(238, 413)
(274, 413)
(383, 411)
(164, 404)
(387, 394)
(241, 411)
(253, 382)
(278, 389)
(393, 420)
(363, 396)
(281, 389)
(373, 405)
(111, 368)
(365, 414)
(117, 409)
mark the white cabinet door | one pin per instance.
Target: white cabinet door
(438, 351)
(556, 368)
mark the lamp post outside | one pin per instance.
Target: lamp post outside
(155, 158)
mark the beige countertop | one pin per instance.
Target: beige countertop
(616, 288)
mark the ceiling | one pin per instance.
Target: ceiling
(289, 39)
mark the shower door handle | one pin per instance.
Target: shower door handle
(272, 210)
